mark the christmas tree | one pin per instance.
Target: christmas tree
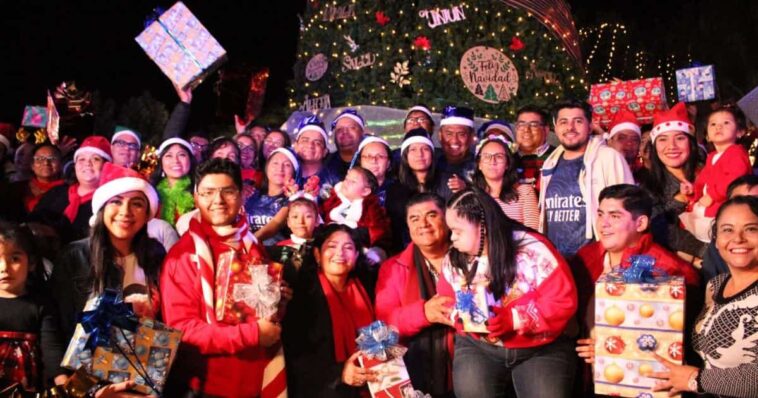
(493, 56)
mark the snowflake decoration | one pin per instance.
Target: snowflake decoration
(675, 351)
(610, 345)
(645, 395)
(399, 74)
(647, 342)
(676, 291)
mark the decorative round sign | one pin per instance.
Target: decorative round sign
(316, 67)
(489, 74)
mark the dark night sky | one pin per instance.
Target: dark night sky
(44, 42)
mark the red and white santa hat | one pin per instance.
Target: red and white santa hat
(97, 145)
(674, 119)
(116, 180)
(623, 120)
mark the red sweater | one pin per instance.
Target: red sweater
(732, 164)
(215, 359)
(546, 298)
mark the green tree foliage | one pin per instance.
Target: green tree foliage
(546, 71)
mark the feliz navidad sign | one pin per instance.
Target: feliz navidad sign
(489, 74)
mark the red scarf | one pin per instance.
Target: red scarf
(350, 310)
(74, 201)
(36, 189)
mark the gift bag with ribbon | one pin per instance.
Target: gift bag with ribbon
(378, 344)
(639, 310)
(181, 46)
(114, 345)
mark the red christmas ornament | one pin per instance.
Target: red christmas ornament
(423, 43)
(615, 289)
(676, 291)
(516, 44)
(675, 351)
(381, 19)
(614, 345)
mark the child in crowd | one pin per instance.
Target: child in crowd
(728, 162)
(302, 219)
(30, 346)
(355, 204)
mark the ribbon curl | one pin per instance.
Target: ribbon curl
(464, 302)
(641, 269)
(111, 311)
(378, 340)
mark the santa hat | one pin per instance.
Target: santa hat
(6, 136)
(496, 124)
(121, 130)
(289, 154)
(623, 120)
(351, 114)
(674, 119)
(416, 136)
(171, 141)
(311, 123)
(419, 108)
(368, 140)
(458, 116)
(97, 145)
(116, 180)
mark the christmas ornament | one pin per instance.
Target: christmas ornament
(351, 43)
(381, 19)
(614, 345)
(516, 44)
(315, 104)
(675, 351)
(488, 68)
(333, 12)
(73, 99)
(442, 16)
(359, 62)
(423, 43)
(399, 73)
(647, 342)
(316, 67)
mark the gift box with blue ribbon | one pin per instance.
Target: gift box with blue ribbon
(114, 345)
(181, 46)
(380, 351)
(696, 84)
(639, 310)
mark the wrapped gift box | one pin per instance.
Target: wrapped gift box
(181, 46)
(749, 105)
(642, 97)
(633, 320)
(246, 289)
(696, 84)
(394, 380)
(472, 306)
(34, 116)
(149, 350)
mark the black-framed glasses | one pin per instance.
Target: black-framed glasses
(531, 125)
(226, 192)
(417, 120)
(127, 145)
(45, 159)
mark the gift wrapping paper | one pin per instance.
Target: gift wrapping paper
(34, 116)
(475, 323)
(642, 97)
(394, 381)
(696, 84)
(246, 290)
(749, 105)
(633, 320)
(181, 46)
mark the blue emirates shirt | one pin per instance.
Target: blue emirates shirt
(261, 209)
(565, 209)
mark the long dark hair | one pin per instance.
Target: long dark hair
(478, 207)
(510, 178)
(22, 237)
(157, 175)
(750, 201)
(408, 179)
(657, 179)
(105, 274)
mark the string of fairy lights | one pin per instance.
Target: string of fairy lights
(335, 51)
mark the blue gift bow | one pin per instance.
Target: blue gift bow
(111, 311)
(377, 340)
(641, 269)
(155, 17)
(464, 302)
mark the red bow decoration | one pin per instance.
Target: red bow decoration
(381, 19)
(516, 44)
(423, 43)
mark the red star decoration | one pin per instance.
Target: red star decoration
(423, 43)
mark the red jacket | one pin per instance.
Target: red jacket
(215, 359)
(732, 164)
(548, 297)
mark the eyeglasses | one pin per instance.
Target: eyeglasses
(417, 120)
(123, 144)
(226, 193)
(308, 141)
(199, 146)
(45, 159)
(493, 157)
(373, 158)
(246, 148)
(276, 143)
(531, 125)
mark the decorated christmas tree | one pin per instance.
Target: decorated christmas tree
(494, 56)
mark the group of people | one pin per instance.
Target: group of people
(370, 232)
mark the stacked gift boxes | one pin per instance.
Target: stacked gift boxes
(642, 97)
(181, 46)
(632, 321)
(696, 84)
